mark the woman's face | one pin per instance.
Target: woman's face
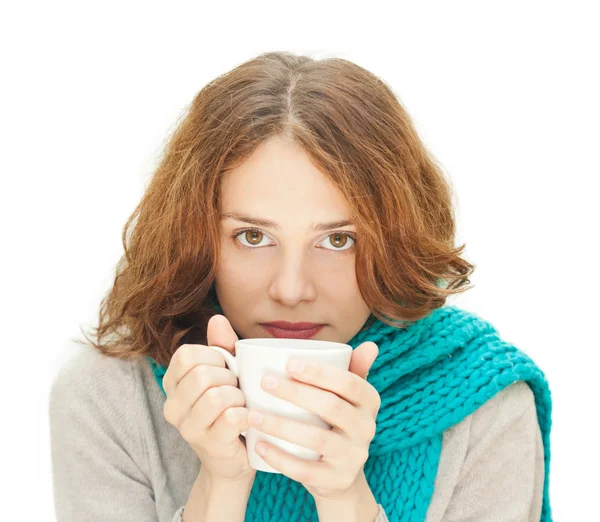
(286, 270)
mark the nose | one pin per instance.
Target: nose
(292, 281)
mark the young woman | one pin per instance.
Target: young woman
(297, 191)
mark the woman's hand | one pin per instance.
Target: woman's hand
(343, 399)
(206, 405)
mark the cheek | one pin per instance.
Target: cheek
(238, 272)
(339, 283)
(344, 288)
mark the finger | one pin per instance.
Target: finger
(317, 474)
(230, 424)
(331, 408)
(208, 408)
(219, 332)
(362, 359)
(185, 358)
(323, 441)
(349, 386)
(194, 384)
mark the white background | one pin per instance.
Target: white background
(504, 95)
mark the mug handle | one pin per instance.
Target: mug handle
(232, 364)
(230, 360)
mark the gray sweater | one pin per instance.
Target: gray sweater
(116, 458)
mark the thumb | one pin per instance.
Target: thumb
(219, 332)
(362, 359)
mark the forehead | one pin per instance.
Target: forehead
(279, 179)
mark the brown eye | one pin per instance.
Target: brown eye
(253, 236)
(339, 240)
(249, 238)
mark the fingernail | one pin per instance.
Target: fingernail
(270, 382)
(255, 418)
(260, 449)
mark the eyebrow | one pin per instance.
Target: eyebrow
(320, 227)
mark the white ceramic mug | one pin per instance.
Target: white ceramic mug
(255, 358)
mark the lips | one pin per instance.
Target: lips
(292, 326)
(293, 333)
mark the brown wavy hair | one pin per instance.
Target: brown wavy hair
(355, 131)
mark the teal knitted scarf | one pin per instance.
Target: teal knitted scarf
(430, 376)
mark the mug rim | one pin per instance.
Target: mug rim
(300, 343)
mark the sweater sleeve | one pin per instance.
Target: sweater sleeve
(381, 516)
(502, 475)
(95, 449)
(178, 517)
